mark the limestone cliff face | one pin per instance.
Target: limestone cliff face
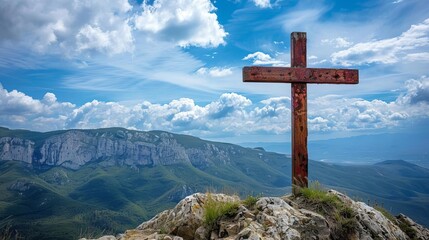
(16, 149)
(73, 149)
(271, 218)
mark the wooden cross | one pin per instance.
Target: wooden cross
(299, 75)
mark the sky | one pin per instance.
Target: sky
(177, 66)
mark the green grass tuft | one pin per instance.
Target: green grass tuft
(214, 210)
(408, 230)
(316, 194)
(385, 213)
(330, 206)
(250, 201)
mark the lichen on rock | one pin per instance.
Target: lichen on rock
(271, 218)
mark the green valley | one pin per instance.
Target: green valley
(122, 178)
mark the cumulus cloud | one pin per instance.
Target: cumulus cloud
(262, 3)
(417, 91)
(17, 103)
(260, 58)
(185, 23)
(19, 110)
(94, 38)
(110, 27)
(387, 51)
(215, 71)
(334, 113)
(67, 25)
(229, 104)
(231, 114)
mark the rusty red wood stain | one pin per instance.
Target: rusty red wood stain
(299, 75)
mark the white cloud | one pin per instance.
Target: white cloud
(17, 103)
(301, 16)
(19, 110)
(260, 58)
(386, 51)
(185, 23)
(318, 124)
(413, 57)
(276, 101)
(337, 42)
(229, 115)
(272, 116)
(64, 26)
(229, 104)
(335, 113)
(110, 27)
(98, 114)
(112, 42)
(345, 114)
(262, 3)
(417, 92)
(49, 98)
(215, 71)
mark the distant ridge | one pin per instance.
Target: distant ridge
(364, 149)
(395, 162)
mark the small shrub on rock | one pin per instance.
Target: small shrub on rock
(330, 206)
(250, 201)
(214, 210)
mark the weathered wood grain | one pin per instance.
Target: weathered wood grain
(300, 75)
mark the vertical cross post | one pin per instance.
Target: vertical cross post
(299, 75)
(299, 131)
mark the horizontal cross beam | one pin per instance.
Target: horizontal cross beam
(300, 75)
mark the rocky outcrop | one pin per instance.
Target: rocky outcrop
(268, 218)
(16, 149)
(185, 219)
(372, 224)
(412, 229)
(75, 148)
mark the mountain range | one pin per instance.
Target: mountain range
(74, 182)
(363, 149)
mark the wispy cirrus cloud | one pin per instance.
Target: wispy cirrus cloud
(386, 51)
(112, 46)
(338, 42)
(215, 71)
(414, 57)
